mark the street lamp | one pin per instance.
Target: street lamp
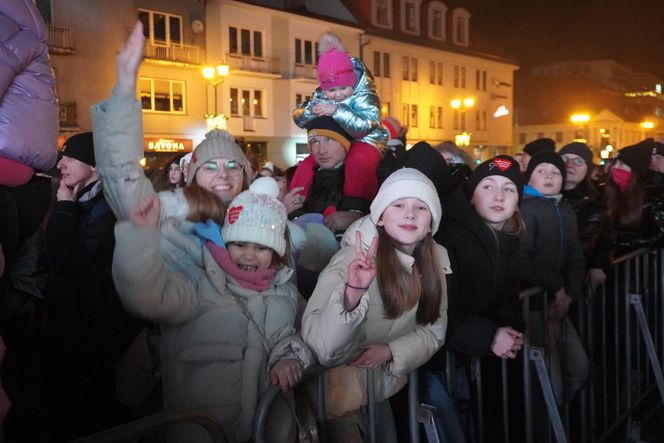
(581, 120)
(215, 76)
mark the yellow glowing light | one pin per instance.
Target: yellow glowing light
(604, 154)
(609, 148)
(462, 139)
(208, 72)
(580, 118)
(469, 102)
(142, 162)
(222, 70)
(456, 103)
(215, 121)
(647, 125)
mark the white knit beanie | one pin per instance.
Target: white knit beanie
(257, 216)
(407, 183)
(217, 144)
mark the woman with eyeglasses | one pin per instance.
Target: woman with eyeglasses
(582, 195)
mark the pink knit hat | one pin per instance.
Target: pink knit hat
(335, 68)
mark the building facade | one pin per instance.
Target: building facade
(434, 71)
(600, 102)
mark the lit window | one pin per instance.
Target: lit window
(160, 28)
(162, 95)
(250, 102)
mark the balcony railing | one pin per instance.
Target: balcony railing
(67, 114)
(174, 53)
(61, 40)
(268, 65)
(304, 71)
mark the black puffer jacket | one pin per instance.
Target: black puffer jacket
(486, 263)
(483, 292)
(650, 232)
(552, 256)
(594, 226)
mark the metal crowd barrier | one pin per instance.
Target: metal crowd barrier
(621, 326)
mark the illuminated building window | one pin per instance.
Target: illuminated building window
(162, 95)
(250, 102)
(161, 29)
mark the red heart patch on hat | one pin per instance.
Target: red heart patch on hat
(234, 213)
(502, 163)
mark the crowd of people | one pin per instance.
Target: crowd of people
(232, 277)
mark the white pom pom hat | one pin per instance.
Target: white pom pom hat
(256, 216)
(407, 183)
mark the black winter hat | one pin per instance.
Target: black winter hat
(502, 165)
(637, 156)
(80, 147)
(326, 126)
(540, 145)
(428, 161)
(580, 149)
(547, 157)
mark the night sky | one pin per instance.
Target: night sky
(538, 32)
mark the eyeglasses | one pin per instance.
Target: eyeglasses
(232, 167)
(576, 161)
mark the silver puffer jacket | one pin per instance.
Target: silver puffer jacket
(358, 114)
(28, 110)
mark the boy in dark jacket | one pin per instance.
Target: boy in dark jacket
(552, 258)
(86, 329)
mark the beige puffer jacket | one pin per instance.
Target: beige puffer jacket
(337, 337)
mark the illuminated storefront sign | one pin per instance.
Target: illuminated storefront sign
(167, 144)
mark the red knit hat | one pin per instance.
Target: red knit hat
(335, 68)
(393, 126)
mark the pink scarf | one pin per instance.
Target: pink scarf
(256, 281)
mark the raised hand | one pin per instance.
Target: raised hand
(129, 60)
(293, 200)
(146, 213)
(361, 272)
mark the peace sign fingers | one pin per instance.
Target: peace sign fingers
(371, 252)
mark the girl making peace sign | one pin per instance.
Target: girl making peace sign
(384, 309)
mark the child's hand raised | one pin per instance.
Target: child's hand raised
(146, 213)
(361, 272)
(129, 60)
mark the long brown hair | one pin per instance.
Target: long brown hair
(515, 224)
(203, 205)
(401, 290)
(625, 207)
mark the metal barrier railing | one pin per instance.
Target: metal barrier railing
(621, 326)
(157, 422)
